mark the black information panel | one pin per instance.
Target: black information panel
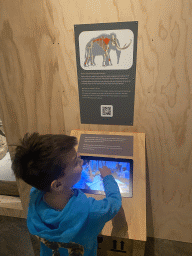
(117, 145)
(106, 69)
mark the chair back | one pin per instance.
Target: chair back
(73, 248)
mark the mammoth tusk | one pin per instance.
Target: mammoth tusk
(124, 47)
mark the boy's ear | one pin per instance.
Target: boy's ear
(55, 185)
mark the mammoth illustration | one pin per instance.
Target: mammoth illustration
(102, 45)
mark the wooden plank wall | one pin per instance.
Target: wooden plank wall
(39, 90)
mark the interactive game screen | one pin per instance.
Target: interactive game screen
(91, 181)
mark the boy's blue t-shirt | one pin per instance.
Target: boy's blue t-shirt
(80, 221)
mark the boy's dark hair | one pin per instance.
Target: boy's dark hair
(41, 159)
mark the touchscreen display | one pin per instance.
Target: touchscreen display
(91, 181)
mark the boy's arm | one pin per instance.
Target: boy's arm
(104, 210)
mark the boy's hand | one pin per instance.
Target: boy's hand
(104, 171)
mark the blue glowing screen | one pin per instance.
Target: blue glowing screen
(91, 181)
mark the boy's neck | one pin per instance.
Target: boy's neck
(67, 192)
(58, 201)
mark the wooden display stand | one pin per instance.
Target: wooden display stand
(130, 221)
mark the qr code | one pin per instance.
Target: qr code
(106, 110)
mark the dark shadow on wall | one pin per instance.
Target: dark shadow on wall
(149, 250)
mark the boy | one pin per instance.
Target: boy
(56, 211)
